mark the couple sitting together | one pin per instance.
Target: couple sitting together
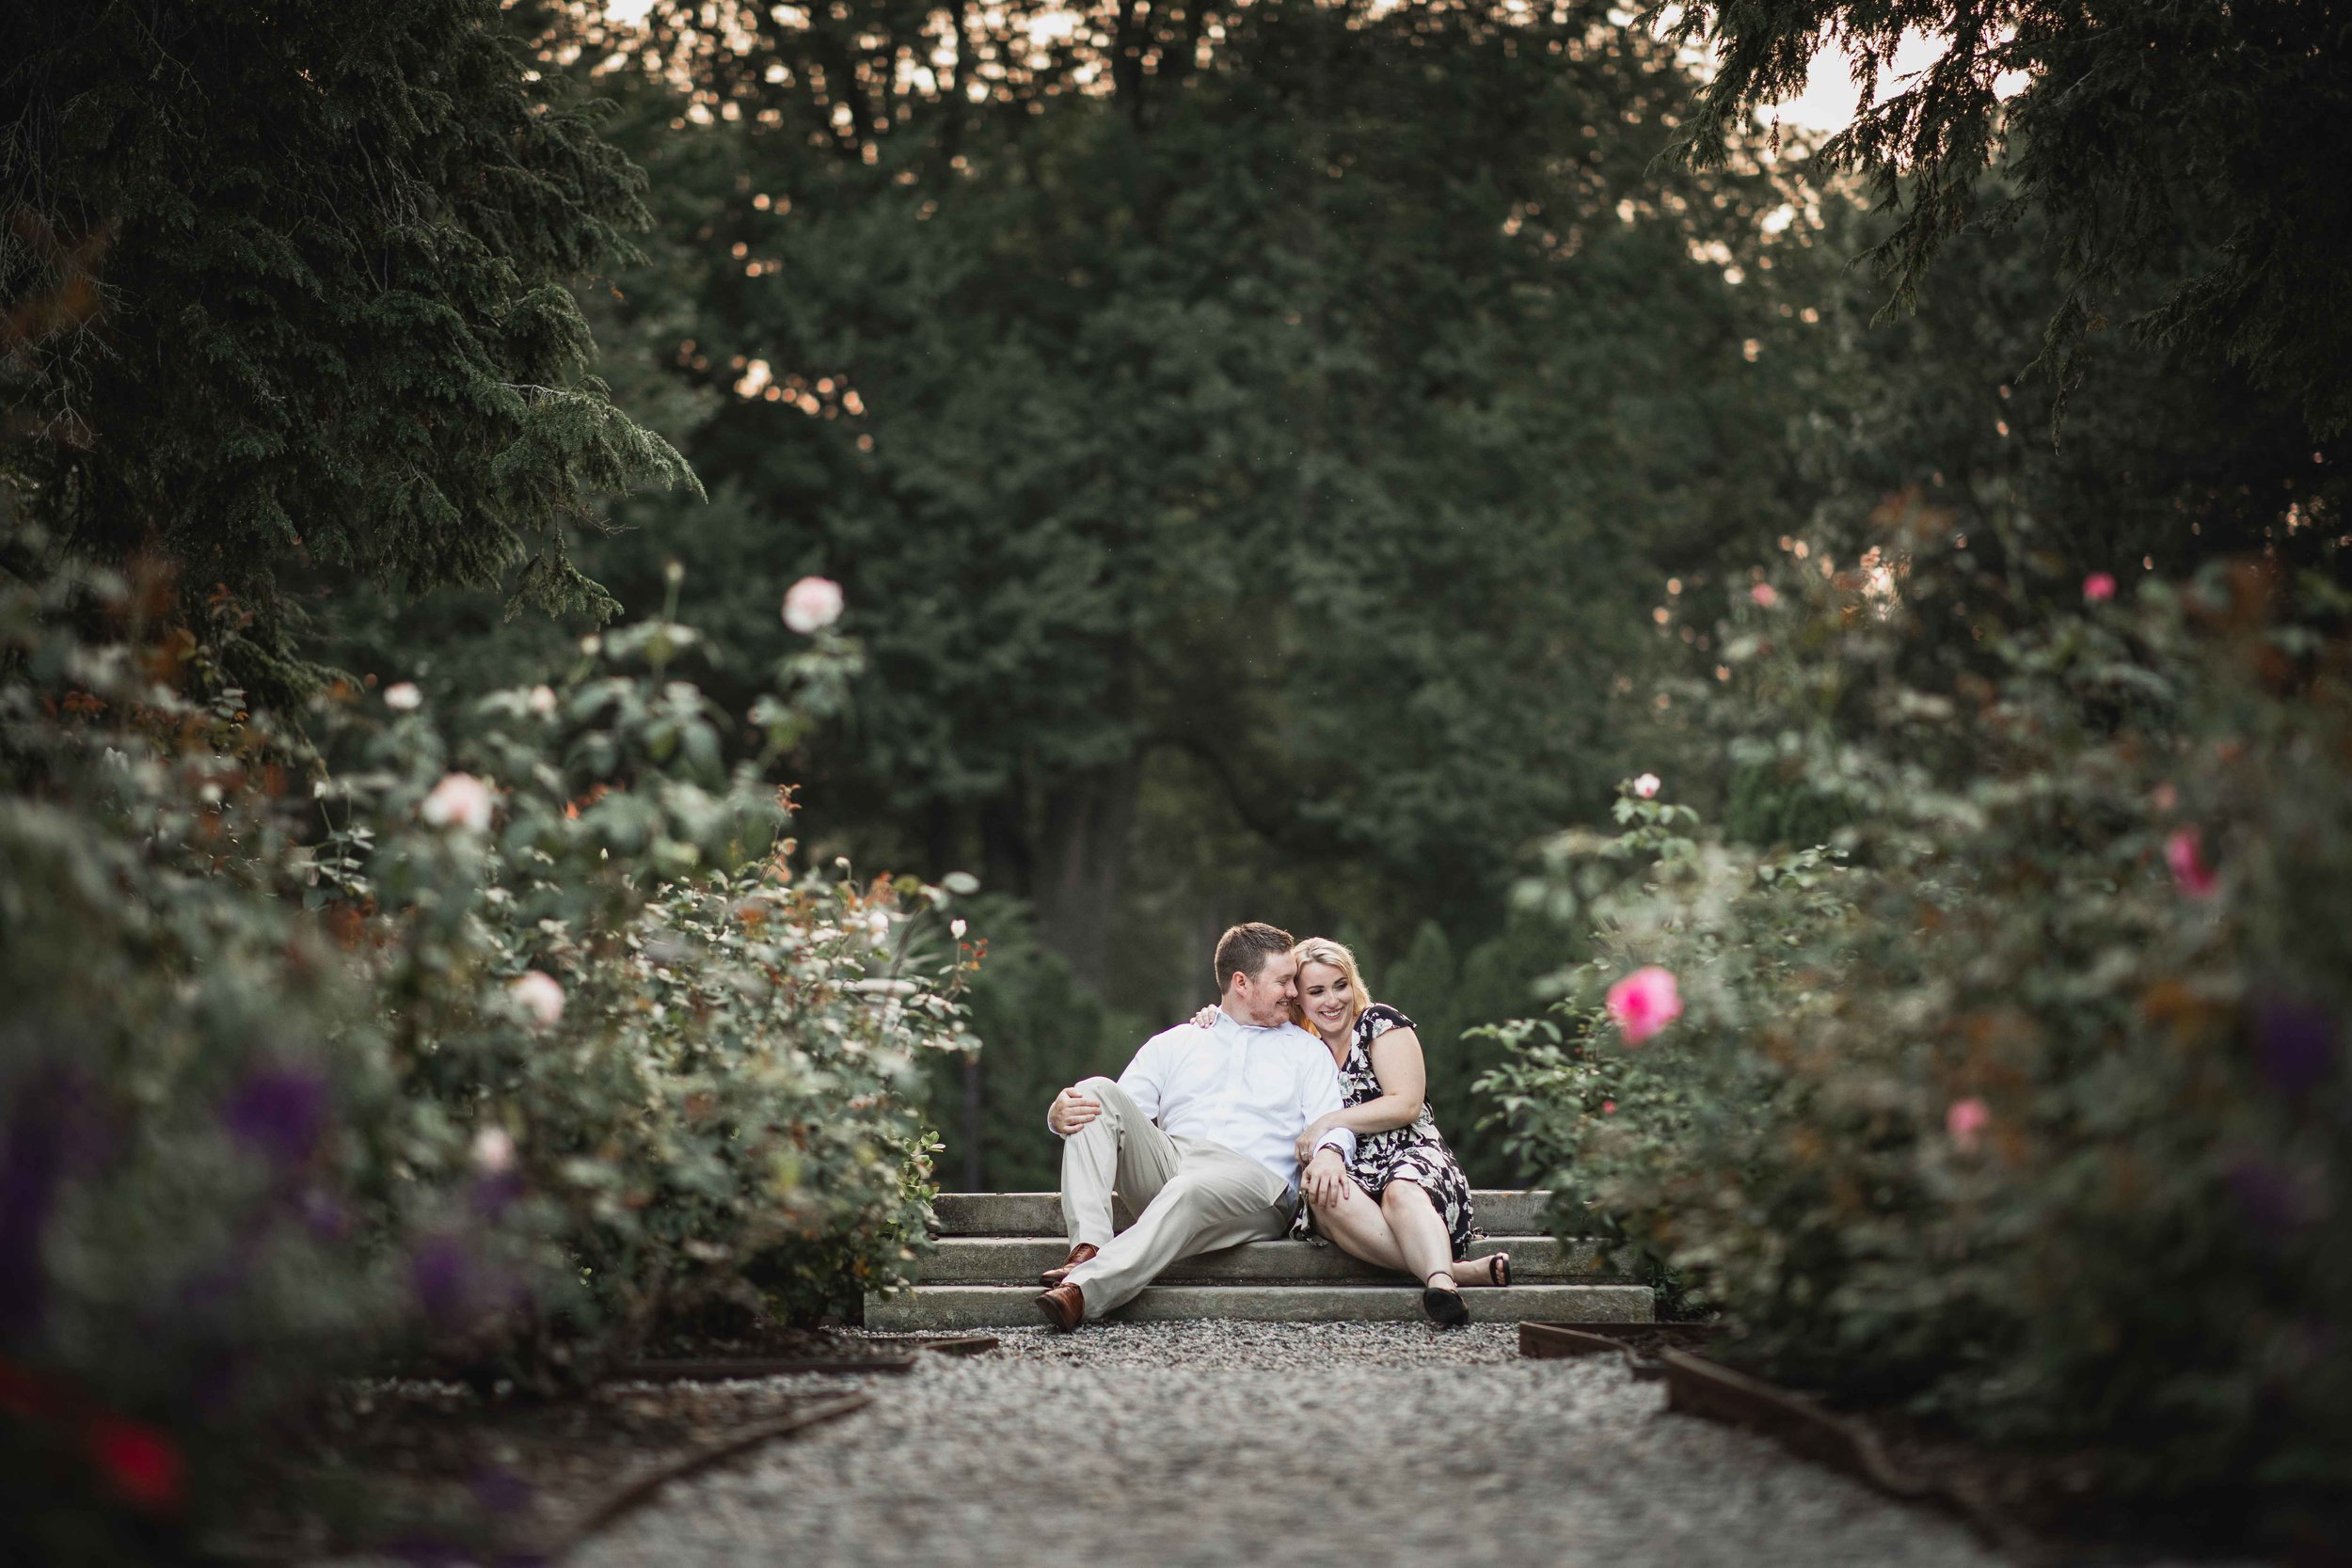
(1202, 1139)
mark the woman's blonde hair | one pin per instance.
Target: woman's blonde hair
(1323, 950)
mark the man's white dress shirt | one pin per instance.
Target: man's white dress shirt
(1254, 1091)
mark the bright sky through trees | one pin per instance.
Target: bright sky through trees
(1826, 104)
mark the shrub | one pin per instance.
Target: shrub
(186, 1068)
(537, 1043)
(718, 1099)
(2023, 1103)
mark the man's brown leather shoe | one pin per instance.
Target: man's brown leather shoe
(1078, 1254)
(1064, 1306)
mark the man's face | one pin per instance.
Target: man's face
(1266, 1000)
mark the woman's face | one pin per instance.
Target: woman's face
(1324, 997)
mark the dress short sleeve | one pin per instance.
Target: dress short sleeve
(1378, 1019)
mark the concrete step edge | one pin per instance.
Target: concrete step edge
(1499, 1211)
(1017, 1259)
(961, 1307)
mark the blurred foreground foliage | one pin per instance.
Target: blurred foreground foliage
(354, 1028)
(489, 1043)
(2021, 1101)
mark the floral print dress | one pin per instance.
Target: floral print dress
(1414, 1152)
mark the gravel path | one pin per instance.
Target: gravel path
(1234, 1445)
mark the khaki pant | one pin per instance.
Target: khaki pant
(1187, 1195)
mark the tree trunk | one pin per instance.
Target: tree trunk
(1007, 863)
(1081, 852)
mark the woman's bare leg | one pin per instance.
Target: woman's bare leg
(1478, 1271)
(1360, 1228)
(1421, 1235)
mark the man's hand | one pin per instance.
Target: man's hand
(1325, 1180)
(1071, 1110)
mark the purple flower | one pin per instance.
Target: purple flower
(500, 1490)
(280, 1111)
(54, 1132)
(219, 1381)
(457, 1289)
(429, 1552)
(28, 1185)
(2296, 1044)
(444, 1280)
(323, 1215)
(2271, 1197)
(492, 1194)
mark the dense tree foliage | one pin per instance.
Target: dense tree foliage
(1257, 463)
(1285, 429)
(287, 301)
(2187, 159)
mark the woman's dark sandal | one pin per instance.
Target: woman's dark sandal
(1445, 1308)
(1497, 1268)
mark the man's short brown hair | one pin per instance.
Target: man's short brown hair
(1244, 950)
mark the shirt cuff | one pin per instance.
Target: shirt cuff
(1339, 1139)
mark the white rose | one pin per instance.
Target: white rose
(493, 1150)
(540, 996)
(460, 801)
(404, 698)
(811, 603)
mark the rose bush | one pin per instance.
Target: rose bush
(496, 1038)
(2022, 1103)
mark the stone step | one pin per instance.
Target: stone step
(1499, 1212)
(961, 1307)
(1018, 1259)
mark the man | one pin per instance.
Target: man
(1199, 1136)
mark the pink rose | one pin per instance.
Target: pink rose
(1644, 1002)
(1966, 1122)
(459, 800)
(542, 701)
(1764, 595)
(1608, 1107)
(539, 995)
(2099, 587)
(1647, 787)
(812, 603)
(2185, 852)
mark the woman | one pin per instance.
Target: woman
(1408, 1203)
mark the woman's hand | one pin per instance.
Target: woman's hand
(1205, 1017)
(1314, 1135)
(1326, 1179)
